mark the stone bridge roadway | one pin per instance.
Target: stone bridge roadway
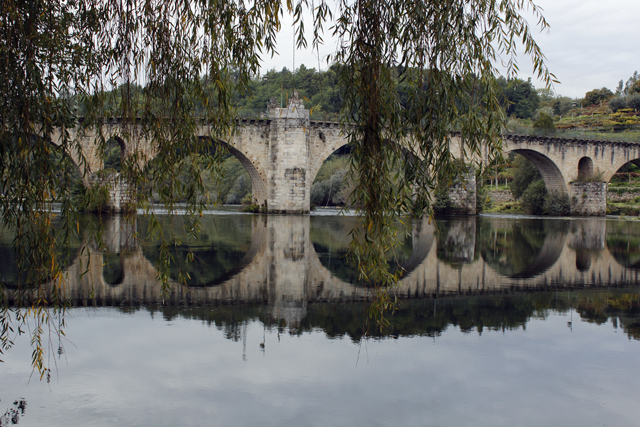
(282, 268)
(283, 154)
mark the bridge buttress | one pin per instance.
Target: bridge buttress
(288, 176)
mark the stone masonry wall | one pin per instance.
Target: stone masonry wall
(501, 196)
(463, 195)
(288, 178)
(619, 195)
(588, 198)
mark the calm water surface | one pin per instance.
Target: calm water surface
(501, 321)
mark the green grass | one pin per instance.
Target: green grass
(507, 207)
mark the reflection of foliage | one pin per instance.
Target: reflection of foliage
(12, 415)
(430, 317)
(13, 273)
(211, 256)
(512, 251)
(457, 241)
(623, 241)
(331, 240)
(112, 269)
(621, 308)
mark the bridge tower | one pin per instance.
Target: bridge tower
(288, 178)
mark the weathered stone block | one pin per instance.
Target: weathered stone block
(588, 198)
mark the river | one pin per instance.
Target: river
(500, 321)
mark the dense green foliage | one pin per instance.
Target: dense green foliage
(532, 199)
(597, 96)
(556, 204)
(544, 122)
(528, 186)
(320, 91)
(525, 173)
(520, 97)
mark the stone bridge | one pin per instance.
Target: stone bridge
(283, 268)
(283, 153)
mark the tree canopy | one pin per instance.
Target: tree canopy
(176, 63)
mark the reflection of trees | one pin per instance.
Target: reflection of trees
(12, 273)
(457, 241)
(13, 414)
(587, 240)
(623, 241)
(331, 238)
(522, 248)
(208, 259)
(622, 308)
(429, 317)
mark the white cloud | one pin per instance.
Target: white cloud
(591, 44)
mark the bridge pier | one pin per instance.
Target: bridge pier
(463, 194)
(120, 193)
(288, 178)
(588, 198)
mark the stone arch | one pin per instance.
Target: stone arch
(630, 154)
(608, 176)
(323, 151)
(552, 176)
(259, 188)
(585, 168)
(325, 140)
(123, 149)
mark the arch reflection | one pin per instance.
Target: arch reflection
(522, 248)
(224, 246)
(13, 275)
(331, 237)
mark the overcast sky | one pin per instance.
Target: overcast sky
(591, 44)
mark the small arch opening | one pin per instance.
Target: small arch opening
(112, 269)
(113, 154)
(585, 169)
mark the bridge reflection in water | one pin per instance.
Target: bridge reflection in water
(287, 262)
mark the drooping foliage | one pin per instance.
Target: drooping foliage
(447, 51)
(164, 67)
